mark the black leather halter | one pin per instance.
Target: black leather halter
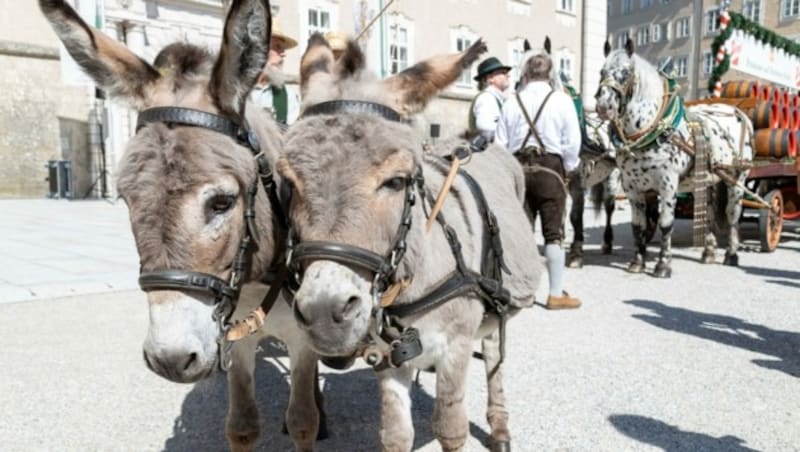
(487, 284)
(225, 293)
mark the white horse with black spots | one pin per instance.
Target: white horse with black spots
(655, 149)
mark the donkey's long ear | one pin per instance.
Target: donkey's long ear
(242, 56)
(606, 48)
(112, 66)
(526, 46)
(351, 62)
(414, 87)
(629, 46)
(547, 44)
(316, 64)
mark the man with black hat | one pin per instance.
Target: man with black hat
(485, 110)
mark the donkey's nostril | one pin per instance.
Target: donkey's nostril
(349, 309)
(191, 359)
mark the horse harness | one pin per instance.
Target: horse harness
(404, 341)
(225, 293)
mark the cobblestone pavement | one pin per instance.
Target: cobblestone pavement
(708, 360)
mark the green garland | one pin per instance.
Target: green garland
(739, 22)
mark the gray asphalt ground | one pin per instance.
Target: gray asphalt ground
(709, 360)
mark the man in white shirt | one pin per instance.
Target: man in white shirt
(485, 110)
(548, 151)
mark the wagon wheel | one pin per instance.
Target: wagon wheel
(770, 221)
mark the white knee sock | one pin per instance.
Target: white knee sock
(555, 268)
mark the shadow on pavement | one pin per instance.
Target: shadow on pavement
(352, 405)
(671, 438)
(784, 345)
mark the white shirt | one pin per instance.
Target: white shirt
(558, 124)
(487, 111)
(262, 96)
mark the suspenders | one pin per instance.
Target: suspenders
(531, 124)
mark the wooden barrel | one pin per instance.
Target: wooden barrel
(740, 88)
(794, 118)
(766, 115)
(776, 143)
(786, 117)
(777, 96)
(765, 92)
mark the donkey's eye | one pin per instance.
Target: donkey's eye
(395, 183)
(220, 204)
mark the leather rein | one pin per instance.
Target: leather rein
(404, 341)
(225, 293)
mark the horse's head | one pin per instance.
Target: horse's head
(354, 168)
(186, 187)
(617, 80)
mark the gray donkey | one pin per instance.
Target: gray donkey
(190, 181)
(372, 279)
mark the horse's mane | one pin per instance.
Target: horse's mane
(648, 81)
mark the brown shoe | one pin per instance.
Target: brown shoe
(563, 302)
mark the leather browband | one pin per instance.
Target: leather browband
(191, 117)
(353, 107)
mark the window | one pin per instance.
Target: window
(790, 8)
(625, 6)
(708, 64)
(461, 38)
(319, 20)
(565, 5)
(682, 27)
(643, 4)
(320, 16)
(643, 36)
(399, 41)
(681, 66)
(751, 9)
(711, 21)
(566, 63)
(622, 38)
(565, 66)
(656, 35)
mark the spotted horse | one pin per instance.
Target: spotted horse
(656, 139)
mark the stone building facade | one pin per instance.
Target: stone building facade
(70, 123)
(684, 30)
(41, 118)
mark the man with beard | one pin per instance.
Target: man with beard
(270, 91)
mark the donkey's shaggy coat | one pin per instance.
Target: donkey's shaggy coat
(349, 172)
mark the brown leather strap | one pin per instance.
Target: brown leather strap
(531, 124)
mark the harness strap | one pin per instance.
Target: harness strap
(185, 280)
(255, 319)
(532, 124)
(340, 252)
(353, 107)
(192, 117)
